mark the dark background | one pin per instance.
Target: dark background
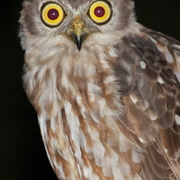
(22, 155)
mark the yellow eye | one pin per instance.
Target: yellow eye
(52, 14)
(100, 12)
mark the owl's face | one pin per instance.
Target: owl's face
(74, 23)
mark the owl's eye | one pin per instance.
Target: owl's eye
(100, 12)
(52, 14)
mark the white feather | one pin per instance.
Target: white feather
(177, 119)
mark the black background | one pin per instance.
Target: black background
(22, 155)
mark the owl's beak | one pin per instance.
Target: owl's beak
(77, 31)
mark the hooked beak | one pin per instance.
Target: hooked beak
(77, 31)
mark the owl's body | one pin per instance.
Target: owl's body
(108, 106)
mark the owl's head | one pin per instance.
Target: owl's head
(75, 23)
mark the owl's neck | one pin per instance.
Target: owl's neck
(69, 76)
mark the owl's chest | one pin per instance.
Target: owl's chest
(78, 108)
(88, 92)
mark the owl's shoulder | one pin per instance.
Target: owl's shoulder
(149, 53)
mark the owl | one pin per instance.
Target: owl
(106, 90)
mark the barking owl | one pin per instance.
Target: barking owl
(106, 90)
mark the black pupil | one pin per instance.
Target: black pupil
(53, 14)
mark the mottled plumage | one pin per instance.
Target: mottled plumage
(107, 95)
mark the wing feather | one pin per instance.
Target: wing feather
(148, 72)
